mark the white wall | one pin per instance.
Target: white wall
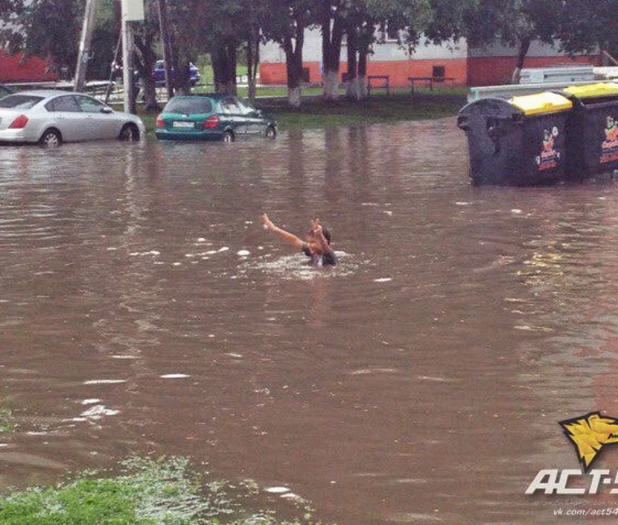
(391, 51)
(387, 51)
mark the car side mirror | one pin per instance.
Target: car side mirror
(259, 112)
(106, 110)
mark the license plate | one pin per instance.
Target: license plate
(179, 124)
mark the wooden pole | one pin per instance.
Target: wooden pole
(84, 45)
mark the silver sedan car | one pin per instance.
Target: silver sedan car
(51, 117)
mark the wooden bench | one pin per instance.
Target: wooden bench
(385, 83)
(429, 81)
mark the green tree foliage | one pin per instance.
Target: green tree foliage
(511, 22)
(225, 28)
(445, 20)
(581, 25)
(52, 31)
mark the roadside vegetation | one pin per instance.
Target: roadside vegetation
(164, 491)
(7, 422)
(315, 113)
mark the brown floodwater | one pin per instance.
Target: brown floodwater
(144, 310)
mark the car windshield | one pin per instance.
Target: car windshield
(189, 106)
(19, 101)
(245, 108)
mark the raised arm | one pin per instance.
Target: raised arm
(286, 236)
(318, 234)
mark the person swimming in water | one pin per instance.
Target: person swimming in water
(317, 244)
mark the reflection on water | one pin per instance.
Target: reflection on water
(145, 310)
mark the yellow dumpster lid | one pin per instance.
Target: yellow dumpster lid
(537, 103)
(604, 89)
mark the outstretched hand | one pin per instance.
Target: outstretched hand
(268, 224)
(316, 227)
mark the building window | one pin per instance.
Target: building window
(390, 33)
(438, 72)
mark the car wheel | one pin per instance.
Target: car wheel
(129, 132)
(51, 138)
(228, 136)
(271, 132)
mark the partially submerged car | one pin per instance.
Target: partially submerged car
(214, 116)
(51, 117)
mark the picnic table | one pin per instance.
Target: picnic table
(429, 81)
(385, 83)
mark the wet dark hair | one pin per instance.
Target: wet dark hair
(326, 234)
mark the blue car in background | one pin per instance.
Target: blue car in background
(158, 73)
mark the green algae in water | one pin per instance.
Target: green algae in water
(147, 492)
(7, 422)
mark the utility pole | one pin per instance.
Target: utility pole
(84, 45)
(167, 47)
(127, 66)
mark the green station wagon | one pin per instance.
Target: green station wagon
(215, 116)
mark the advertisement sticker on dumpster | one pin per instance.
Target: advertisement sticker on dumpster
(549, 157)
(609, 147)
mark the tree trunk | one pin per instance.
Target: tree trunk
(219, 68)
(145, 65)
(295, 97)
(293, 47)
(232, 62)
(363, 52)
(524, 46)
(331, 51)
(150, 94)
(352, 91)
(182, 80)
(362, 74)
(224, 68)
(253, 50)
(166, 42)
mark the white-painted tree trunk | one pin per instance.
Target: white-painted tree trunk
(353, 90)
(294, 97)
(362, 87)
(516, 76)
(331, 85)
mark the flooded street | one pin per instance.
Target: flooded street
(144, 310)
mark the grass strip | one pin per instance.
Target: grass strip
(147, 491)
